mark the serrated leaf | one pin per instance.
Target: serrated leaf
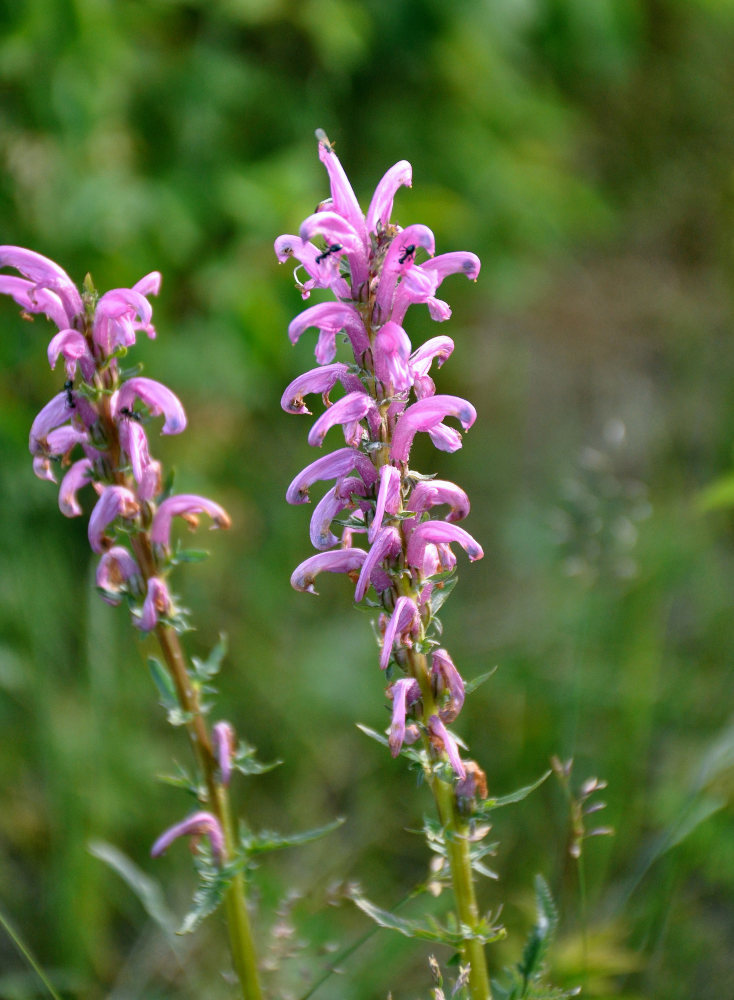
(146, 889)
(267, 840)
(246, 763)
(205, 670)
(211, 890)
(541, 933)
(164, 683)
(486, 807)
(429, 930)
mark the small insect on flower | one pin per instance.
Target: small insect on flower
(129, 414)
(334, 248)
(68, 385)
(407, 254)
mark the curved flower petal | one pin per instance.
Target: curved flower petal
(321, 380)
(149, 285)
(135, 445)
(78, 475)
(398, 259)
(387, 543)
(187, 506)
(44, 274)
(33, 299)
(332, 466)
(115, 501)
(424, 415)
(401, 173)
(74, 347)
(330, 318)
(442, 739)
(349, 409)
(456, 262)
(333, 502)
(343, 197)
(447, 681)
(392, 356)
(223, 738)
(197, 825)
(158, 398)
(445, 438)
(404, 692)
(404, 619)
(336, 561)
(388, 498)
(54, 414)
(118, 572)
(157, 602)
(119, 314)
(437, 348)
(430, 493)
(436, 533)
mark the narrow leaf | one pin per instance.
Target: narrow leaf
(266, 840)
(486, 807)
(164, 683)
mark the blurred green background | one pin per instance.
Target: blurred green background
(583, 148)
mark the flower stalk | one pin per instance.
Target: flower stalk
(103, 412)
(375, 271)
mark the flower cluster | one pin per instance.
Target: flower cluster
(376, 270)
(101, 414)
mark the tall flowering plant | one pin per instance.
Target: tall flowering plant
(390, 528)
(96, 431)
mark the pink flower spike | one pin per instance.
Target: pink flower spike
(423, 416)
(158, 398)
(404, 619)
(118, 572)
(437, 533)
(442, 739)
(404, 692)
(187, 506)
(387, 544)
(78, 475)
(349, 409)
(157, 602)
(430, 493)
(44, 274)
(223, 737)
(335, 561)
(447, 679)
(333, 466)
(318, 380)
(115, 501)
(388, 498)
(197, 825)
(401, 173)
(119, 314)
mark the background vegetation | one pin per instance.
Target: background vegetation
(584, 151)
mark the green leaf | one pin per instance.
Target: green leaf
(246, 762)
(212, 887)
(474, 683)
(181, 556)
(439, 596)
(267, 840)
(536, 946)
(416, 756)
(164, 683)
(204, 670)
(428, 930)
(486, 807)
(146, 889)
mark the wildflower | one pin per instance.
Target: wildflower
(223, 737)
(199, 824)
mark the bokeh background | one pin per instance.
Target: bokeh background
(584, 149)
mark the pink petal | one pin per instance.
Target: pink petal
(382, 200)
(158, 398)
(79, 475)
(435, 533)
(115, 501)
(424, 415)
(336, 561)
(387, 544)
(349, 409)
(332, 466)
(186, 505)
(405, 618)
(388, 498)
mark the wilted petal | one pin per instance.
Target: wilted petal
(349, 409)
(447, 680)
(321, 380)
(387, 543)
(424, 415)
(437, 533)
(442, 739)
(336, 561)
(197, 825)
(78, 475)
(404, 693)
(399, 174)
(332, 466)
(187, 506)
(388, 498)
(433, 492)
(158, 398)
(118, 572)
(404, 619)
(223, 738)
(115, 501)
(157, 603)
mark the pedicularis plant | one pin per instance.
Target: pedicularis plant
(96, 430)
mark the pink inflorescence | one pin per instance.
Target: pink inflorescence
(375, 270)
(101, 416)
